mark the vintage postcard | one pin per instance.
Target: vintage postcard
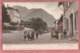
(51, 25)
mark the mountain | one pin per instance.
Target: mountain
(27, 14)
(23, 11)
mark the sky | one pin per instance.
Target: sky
(51, 7)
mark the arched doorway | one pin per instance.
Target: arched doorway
(71, 24)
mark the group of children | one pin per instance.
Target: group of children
(30, 35)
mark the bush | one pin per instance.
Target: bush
(6, 27)
(13, 28)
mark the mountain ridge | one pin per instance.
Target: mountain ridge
(27, 14)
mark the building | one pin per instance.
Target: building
(60, 24)
(70, 18)
(15, 19)
(14, 15)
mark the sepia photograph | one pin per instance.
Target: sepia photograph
(40, 25)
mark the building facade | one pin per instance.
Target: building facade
(70, 18)
(14, 15)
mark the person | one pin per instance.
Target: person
(25, 34)
(52, 34)
(28, 36)
(57, 35)
(65, 34)
(32, 35)
(60, 35)
(37, 35)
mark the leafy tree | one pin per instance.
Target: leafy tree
(13, 24)
(21, 22)
(36, 24)
(5, 16)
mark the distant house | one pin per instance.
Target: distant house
(14, 15)
(50, 28)
(60, 23)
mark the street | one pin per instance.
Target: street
(17, 37)
(15, 41)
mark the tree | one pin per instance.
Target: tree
(13, 24)
(21, 22)
(5, 16)
(37, 24)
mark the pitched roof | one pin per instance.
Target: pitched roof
(60, 3)
(61, 19)
(13, 9)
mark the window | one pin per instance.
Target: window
(66, 5)
(67, 24)
(76, 20)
